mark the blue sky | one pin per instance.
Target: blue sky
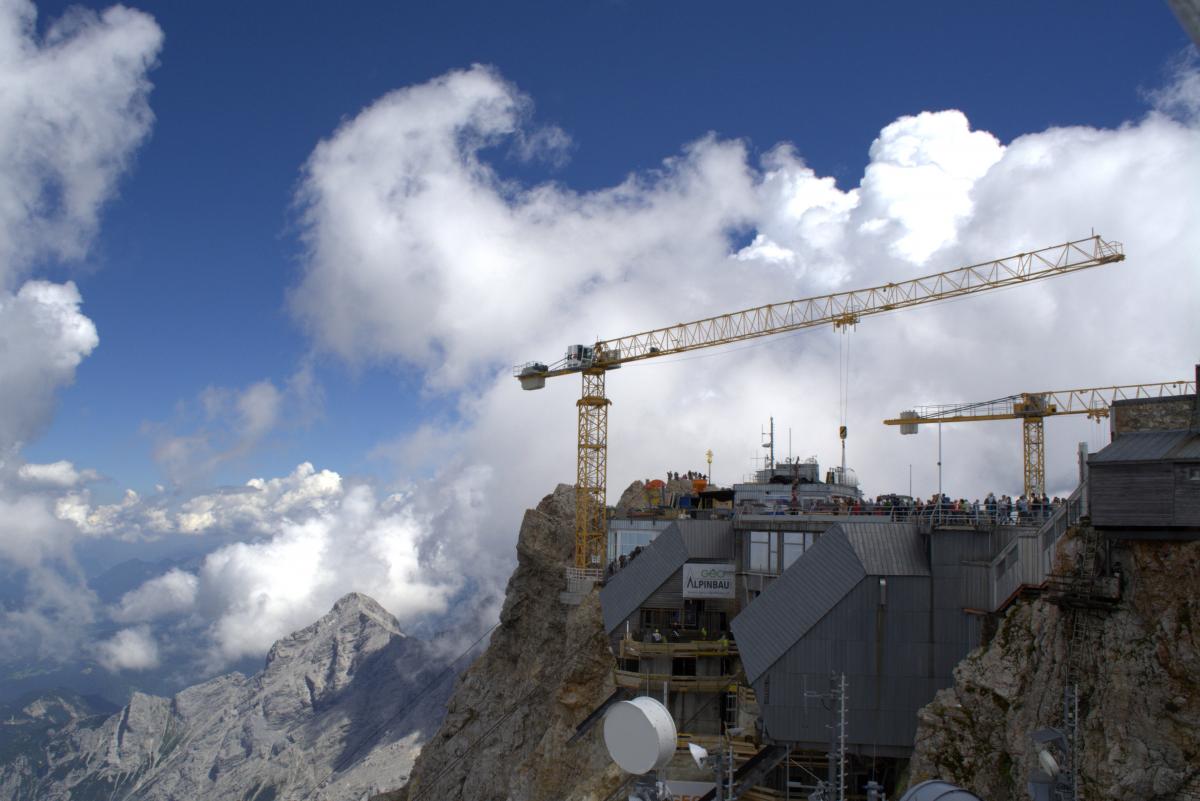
(187, 280)
(310, 272)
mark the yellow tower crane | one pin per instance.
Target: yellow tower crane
(1032, 408)
(840, 309)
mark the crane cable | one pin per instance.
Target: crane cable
(843, 393)
(844, 376)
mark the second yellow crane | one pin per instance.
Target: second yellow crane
(1032, 408)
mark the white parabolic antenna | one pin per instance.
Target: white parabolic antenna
(640, 735)
(1048, 763)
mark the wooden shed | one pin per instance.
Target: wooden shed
(1146, 485)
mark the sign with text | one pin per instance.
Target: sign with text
(708, 581)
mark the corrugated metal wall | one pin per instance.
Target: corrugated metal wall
(709, 539)
(1187, 495)
(964, 556)
(895, 655)
(1140, 495)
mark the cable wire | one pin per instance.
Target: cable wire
(479, 741)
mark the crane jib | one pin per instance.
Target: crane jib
(841, 308)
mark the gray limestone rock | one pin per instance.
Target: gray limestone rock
(1140, 700)
(339, 712)
(548, 665)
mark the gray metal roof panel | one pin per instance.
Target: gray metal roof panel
(796, 601)
(1187, 449)
(634, 583)
(1144, 446)
(888, 549)
(707, 539)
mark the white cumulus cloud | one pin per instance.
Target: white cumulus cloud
(60, 474)
(420, 255)
(225, 424)
(73, 109)
(129, 649)
(43, 338)
(172, 593)
(306, 540)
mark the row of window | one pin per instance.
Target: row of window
(765, 549)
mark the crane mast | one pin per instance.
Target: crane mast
(839, 309)
(1032, 408)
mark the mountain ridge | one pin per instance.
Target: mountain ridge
(339, 710)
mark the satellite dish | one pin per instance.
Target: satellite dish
(640, 735)
(699, 754)
(1048, 763)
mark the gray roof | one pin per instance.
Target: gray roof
(644, 574)
(796, 601)
(707, 539)
(658, 561)
(888, 549)
(1148, 446)
(814, 584)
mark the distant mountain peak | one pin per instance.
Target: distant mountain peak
(339, 711)
(356, 603)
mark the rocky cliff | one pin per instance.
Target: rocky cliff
(1140, 698)
(548, 665)
(338, 712)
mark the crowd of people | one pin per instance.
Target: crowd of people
(1002, 509)
(690, 475)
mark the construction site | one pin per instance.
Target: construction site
(794, 630)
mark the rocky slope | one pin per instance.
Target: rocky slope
(548, 665)
(338, 712)
(1140, 704)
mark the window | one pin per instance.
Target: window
(764, 552)
(1193, 474)
(633, 665)
(628, 540)
(729, 709)
(662, 619)
(683, 666)
(794, 544)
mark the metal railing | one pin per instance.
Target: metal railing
(582, 579)
(635, 649)
(1065, 516)
(1027, 559)
(930, 514)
